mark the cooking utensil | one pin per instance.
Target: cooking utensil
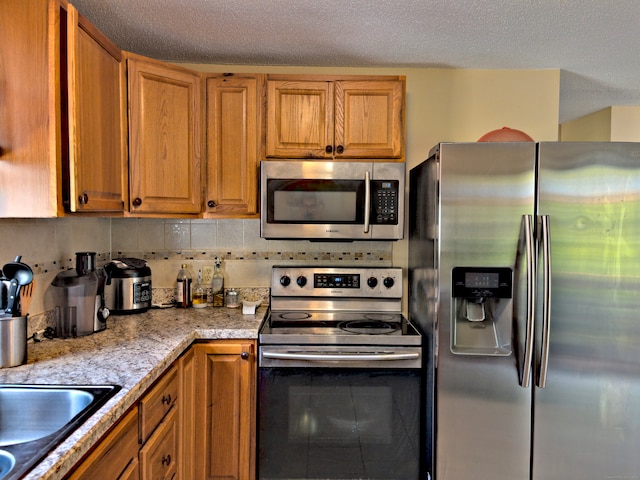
(19, 274)
(26, 295)
(3, 294)
(11, 299)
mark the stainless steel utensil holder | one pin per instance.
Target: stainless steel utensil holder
(13, 341)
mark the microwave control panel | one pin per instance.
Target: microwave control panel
(384, 202)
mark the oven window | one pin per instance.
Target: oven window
(332, 423)
(315, 201)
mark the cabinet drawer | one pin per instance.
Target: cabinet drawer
(116, 455)
(159, 456)
(157, 402)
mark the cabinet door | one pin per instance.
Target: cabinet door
(98, 173)
(369, 119)
(299, 119)
(164, 138)
(232, 145)
(30, 146)
(225, 445)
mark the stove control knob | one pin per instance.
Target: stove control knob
(285, 281)
(388, 282)
(372, 282)
(301, 281)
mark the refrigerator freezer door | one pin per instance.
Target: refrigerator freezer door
(483, 414)
(587, 418)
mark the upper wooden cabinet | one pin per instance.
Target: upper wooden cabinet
(97, 119)
(232, 130)
(164, 138)
(333, 118)
(30, 116)
(62, 134)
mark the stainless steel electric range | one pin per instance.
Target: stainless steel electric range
(340, 381)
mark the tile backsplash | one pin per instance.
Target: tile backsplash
(49, 245)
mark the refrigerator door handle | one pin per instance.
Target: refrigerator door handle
(527, 227)
(545, 247)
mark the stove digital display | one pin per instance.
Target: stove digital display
(333, 280)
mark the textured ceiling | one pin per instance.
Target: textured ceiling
(595, 43)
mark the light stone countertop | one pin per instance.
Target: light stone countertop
(132, 352)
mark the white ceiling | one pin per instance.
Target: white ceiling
(595, 43)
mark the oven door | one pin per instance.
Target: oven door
(337, 418)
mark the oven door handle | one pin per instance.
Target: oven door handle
(356, 357)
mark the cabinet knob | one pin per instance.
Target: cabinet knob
(339, 149)
(137, 202)
(166, 460)
(244, 355)
(166, 399)
(83, 199)
(328, 149)
(211, 203)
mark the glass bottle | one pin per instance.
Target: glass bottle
(199, 293)
(218, 284)
(183, 287)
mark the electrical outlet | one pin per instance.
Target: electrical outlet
(207, 273)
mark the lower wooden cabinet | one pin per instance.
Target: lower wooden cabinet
(159, 427)
(197, 422)
(159, 457)
(225, 406)
(188, 419)
(143, 445)
(116, 457)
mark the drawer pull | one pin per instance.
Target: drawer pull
(166, 460)
(166, 399)
(244, 355)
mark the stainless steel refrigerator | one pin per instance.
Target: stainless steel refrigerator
(524, 269)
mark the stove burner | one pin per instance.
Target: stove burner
(295, 316)
(379, 317)
(371, 327)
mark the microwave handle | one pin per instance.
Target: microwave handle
(367, 201)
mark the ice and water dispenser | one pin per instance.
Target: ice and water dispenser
(481, 310)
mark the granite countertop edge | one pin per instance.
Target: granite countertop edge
(132, 352)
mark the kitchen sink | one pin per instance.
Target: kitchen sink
(7, 462)
(34, 419)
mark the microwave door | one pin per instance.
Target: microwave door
(317, 208)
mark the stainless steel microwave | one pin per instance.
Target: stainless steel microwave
(326, 200)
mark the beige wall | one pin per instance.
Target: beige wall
(612, 124)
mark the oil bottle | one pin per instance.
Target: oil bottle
(218, 284)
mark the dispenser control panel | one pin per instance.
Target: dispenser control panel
(482, 282)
